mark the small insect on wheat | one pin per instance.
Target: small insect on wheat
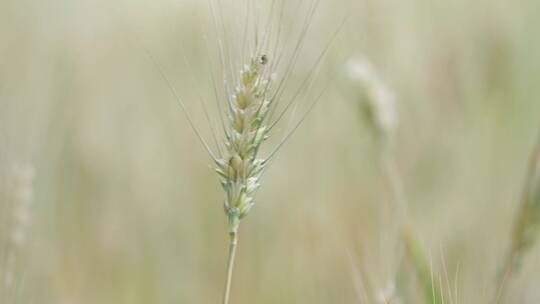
(263, 59)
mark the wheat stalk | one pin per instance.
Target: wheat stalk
(527, 222)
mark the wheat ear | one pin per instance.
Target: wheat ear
(240, 168)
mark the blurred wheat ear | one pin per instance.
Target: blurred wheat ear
(526, 225)
(378, 105)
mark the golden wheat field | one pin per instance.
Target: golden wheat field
(269, 151)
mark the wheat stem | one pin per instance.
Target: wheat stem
(230, 266)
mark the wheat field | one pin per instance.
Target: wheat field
(431, 196)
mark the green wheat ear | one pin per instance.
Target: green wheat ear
(240, 169)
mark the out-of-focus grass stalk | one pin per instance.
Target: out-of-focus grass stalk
(379, 108)
(424, 271)
(19, 197)
(414, 250)
(527, 222)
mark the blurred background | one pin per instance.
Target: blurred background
(106, 195)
